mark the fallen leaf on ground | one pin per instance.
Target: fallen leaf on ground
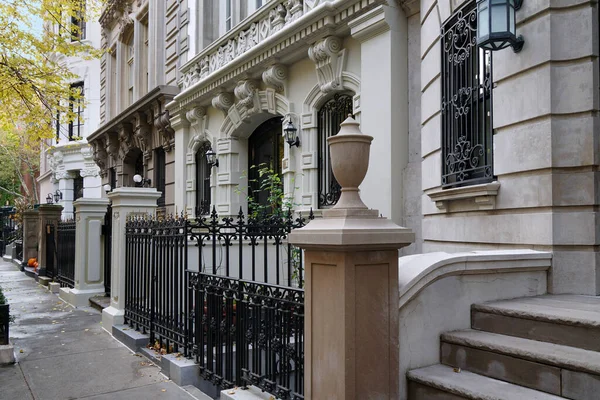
(163, 390)
(21, 351)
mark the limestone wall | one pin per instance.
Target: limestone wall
(545, 106)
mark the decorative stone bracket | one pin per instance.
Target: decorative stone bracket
(162, 123)
(330, 59)
(484, 196)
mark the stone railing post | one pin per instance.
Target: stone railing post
(126, 201)
(351, 286)
(30, 234)
(49, 214)
(89, 269)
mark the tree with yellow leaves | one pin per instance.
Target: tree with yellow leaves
(37, 37)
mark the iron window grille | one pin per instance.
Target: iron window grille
(78, 187)
(330, 116)
(76, 110)
(78, 23)
(466, 103)
(202, 181)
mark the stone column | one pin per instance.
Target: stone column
(89, 268)
(30, 234)
(49, 214)
(351, 286)
(126, 201)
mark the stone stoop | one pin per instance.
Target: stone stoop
(544, 347)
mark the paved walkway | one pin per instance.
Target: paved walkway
(63, 352)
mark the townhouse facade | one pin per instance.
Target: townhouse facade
(67, 168)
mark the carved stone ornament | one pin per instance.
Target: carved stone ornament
(196, 117)
(112, 145)
(125, 139)
(275, 77)
(63, 174)
(142, 131)
(163, 124)
(90, 170)
(87, 153)
(100, 155)
(329, 58)
(223, 101)
(245, 92)
(125, 24)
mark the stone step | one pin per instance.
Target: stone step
(555, 319)
(561, 370)
(440, 382)
(99, 302)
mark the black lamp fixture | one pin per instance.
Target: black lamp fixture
(49, 199)
(57, 196)
(140, 181)
(290, 134)
(211, 158)
(496, 27)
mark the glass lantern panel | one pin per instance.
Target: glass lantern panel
(512, 27)
(483, 20)
(499, 17)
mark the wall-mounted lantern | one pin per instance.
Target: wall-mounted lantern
(49, 199)
(211, 158)
(496, 27)
(57, 196)
(107, 188)
(290, 134)
(140, 181)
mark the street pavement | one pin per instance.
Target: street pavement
(63, 352)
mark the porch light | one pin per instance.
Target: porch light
(211, 158)
(145, 182)
(290, 134)
(57, 196)
(496, 27)
(49, 198)
(107, 188)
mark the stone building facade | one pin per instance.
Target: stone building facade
(146, 42)
(66, 162)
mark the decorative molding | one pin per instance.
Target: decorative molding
(483, 195)
(125, 25)
(125, 140)
(223, 101)
(275, 77)
(113, 10)
(312, 25)
(112, 145)
(100, 155)
(162, 122)
(142, 133)
(330, 59)
(198, 121)
(245, 92)
(63, 174)
(90, 170)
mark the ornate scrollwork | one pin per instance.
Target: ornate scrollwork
(275, 77)
(223, 101)
(329, 58)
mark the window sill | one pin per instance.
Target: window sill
(483, 196)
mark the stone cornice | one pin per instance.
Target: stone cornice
(162, 94)
(201, 81)
(112, 10)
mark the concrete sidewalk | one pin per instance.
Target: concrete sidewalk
(63, 352)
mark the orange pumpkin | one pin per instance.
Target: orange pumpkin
(31, 261)
(36, 265)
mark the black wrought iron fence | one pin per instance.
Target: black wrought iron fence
(65, 253)
(4, 323)
(233, 300)
(107, 237)
(7, 227)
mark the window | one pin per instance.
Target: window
(159, 174)
(259, 4)
(228, 13)
(130, 69)
(76, 110)
(77, 187)
(466, 103)
(143, 59)
(330, 116)
(202, 181)
(78, 23)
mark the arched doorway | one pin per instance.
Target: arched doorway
(265, 149)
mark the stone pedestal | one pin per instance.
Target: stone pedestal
(89, 266)
(126, 201)
(351, 286)
(49, 214)
(30, 234)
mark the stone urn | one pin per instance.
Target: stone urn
(350, 150)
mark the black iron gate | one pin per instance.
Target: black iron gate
(50, 251)
(65, 253)
(237, 308)
(7, 226)
(107, 234)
